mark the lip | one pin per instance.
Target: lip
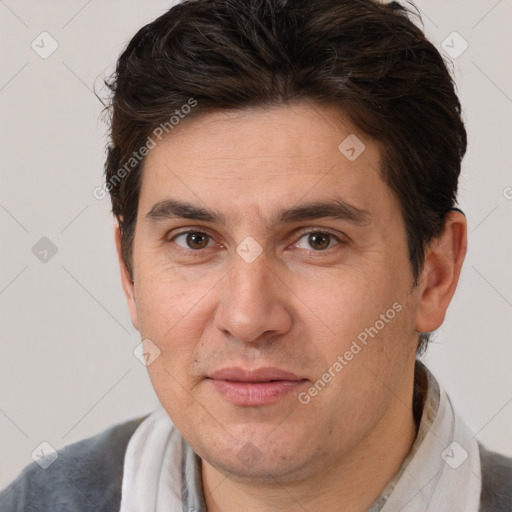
(262, 386)
(259, 375)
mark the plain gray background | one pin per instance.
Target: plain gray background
(67, 366)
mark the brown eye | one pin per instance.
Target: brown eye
(193, 240)
(319, 241)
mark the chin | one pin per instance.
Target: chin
(260, 458)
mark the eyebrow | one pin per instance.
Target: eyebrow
(335, 208)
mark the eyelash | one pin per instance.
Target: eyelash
(198, 252)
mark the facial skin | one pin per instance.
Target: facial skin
(297, 306)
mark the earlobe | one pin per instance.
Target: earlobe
(126, 279)
(443, 262)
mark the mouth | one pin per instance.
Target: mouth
(262, 386)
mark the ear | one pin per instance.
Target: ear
(126, 280)
(440, 275)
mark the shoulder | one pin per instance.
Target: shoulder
(496, 481)
(86, 476)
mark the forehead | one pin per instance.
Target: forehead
(261, 159)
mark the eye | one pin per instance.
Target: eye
(317, 240)
(193, 240)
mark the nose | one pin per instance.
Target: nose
(252, 307)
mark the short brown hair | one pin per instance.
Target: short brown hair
(364, 56)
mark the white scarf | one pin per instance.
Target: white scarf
(152, 477)
(153, 468)
(433, 480)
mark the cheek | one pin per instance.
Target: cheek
(369, 324)
(166, 302)
(174, 320)
(346, 302)
(172, 315)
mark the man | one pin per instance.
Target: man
(284, 177)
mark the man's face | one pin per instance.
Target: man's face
(254, 289)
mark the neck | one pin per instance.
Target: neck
(351, 484)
